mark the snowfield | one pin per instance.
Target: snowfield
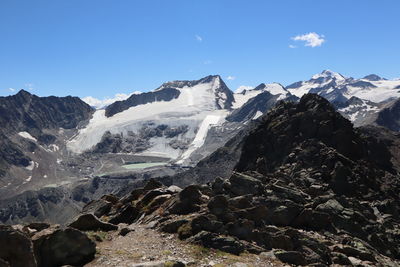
(27, 135)
(384, 90)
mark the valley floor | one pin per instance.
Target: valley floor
(145, 245)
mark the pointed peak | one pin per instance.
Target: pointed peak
(328, 74)
(23, 92)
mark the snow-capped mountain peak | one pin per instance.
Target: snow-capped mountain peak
(328, 74)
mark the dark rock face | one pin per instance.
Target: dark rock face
(16, 248)
(166, 94)
(57, 247)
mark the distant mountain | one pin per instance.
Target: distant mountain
(356, 99)
(171, 121)
(29, 129)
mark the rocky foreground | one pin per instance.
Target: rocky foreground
(308, 189)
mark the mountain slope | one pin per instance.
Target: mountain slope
(31, 128)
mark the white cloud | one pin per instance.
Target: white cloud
(311, 39)
(207, 62)
(29, 86)
(198, 38)
(242, 88)
(101, 103)
(292, 46)
(11, 89)
(230, 78)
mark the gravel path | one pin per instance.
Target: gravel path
(145, 245)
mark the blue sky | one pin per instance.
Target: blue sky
(100, 48)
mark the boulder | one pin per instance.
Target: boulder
(218, 205)
(57, 247)
(291, 257)
(312, 219)
(126, 214)
(240, 202)
(97, 207)
(16, 248)
(125, 230)
(285, 214)
(223, 243)
(89, 222)
(188, 200)
(173, 225)
(242, 184)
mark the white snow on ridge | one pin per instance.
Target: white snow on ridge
(192, 106)
(27, 136)
(245, 95)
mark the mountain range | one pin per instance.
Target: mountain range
(59, 151)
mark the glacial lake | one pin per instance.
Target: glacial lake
(136, 166)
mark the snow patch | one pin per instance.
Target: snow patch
(27, 136)
(257, 115)
(201, 135)
(31, 166)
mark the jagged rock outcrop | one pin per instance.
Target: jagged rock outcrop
(308, 186)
